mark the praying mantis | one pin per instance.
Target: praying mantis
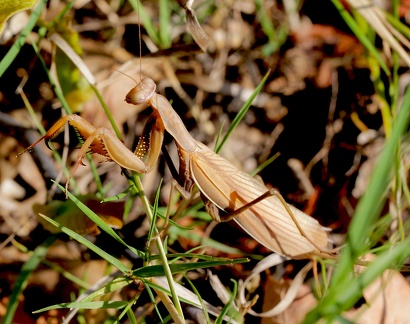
(260, 212)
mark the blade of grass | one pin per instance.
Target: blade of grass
(396, 23)
(146, 21)
(201, 301)
(158, 271)
(109, 258)
(228, 305)
(87, 305)
(276, 37)
(241, 113)
(359, 34)
(264, 164)
(67, 274)
(22, 280)
(96, 219)
(114, 285)
(63, 12)
(188, 255)
(147, 285)
(186, 296)
(154, 212)
(164, 23)
(127, 309)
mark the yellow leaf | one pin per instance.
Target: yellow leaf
(9, 7)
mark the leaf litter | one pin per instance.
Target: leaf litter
(315, 63)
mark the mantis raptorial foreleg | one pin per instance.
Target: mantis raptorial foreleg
(105, 143)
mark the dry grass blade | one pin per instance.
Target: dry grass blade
(75, 58)
(200, 37)
(375, 17)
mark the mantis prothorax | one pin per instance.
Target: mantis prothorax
(262, 213)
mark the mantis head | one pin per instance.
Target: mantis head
(141, 92)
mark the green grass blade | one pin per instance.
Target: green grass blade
(151, 285)
(87, 305)
(164, 23)
(264, 164)
(107, 111)
(359, 34)
(188, 255)
(110, 287)
(146, 21)
(66, 274)
(242, 113)
(117, 196)
(175, 232)
(158, 270)
(131, 317)
(127, 309)
(201, 301)
(228, 305)
(96, 219)
(397, 24)
(22, 280)
(65, 10)
(148, 285)
(370, 205)
(20, 41)
(53, 84)
(109, 258)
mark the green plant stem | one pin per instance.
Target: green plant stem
(160, 247)
(107, 111)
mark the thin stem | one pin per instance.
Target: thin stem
(107, 111)
(160, 247)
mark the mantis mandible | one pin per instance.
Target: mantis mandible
(262, 213)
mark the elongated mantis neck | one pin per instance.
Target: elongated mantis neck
(173, 123)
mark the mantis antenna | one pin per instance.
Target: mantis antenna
(125, 74)
(139, 37)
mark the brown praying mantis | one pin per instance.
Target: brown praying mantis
(262, 213)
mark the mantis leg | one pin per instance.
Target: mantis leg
(141, 161)
(84, 128)
(215, 213)
(105, 143)
(150, 142)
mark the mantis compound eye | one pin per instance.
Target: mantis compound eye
(141, 92)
